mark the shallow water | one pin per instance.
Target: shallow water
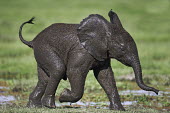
(142, 92)
(104, 105)
(5, 99)
(2, 87)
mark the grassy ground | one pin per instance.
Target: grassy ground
(147, 22)
(71, 110)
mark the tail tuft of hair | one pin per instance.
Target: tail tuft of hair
(31, 20)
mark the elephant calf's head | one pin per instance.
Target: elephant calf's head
(103, 40)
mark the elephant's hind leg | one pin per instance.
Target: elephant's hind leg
(36, 95)
(55, 69)
(56, 74)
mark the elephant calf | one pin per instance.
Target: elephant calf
(70, 50)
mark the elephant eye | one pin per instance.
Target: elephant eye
(123, 51)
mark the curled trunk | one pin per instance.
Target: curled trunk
(138, 76)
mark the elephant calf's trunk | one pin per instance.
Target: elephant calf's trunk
(138, 76)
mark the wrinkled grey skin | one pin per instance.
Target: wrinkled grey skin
(70, 50)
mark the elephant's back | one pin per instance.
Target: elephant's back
(57, 31)
(59, 37)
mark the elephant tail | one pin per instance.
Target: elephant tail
(28, 43)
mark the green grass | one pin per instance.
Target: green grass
(71, 110)
(147, 22)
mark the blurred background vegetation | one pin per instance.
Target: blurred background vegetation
(148, 21)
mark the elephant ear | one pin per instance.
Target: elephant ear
(114, 19)
(92, 33)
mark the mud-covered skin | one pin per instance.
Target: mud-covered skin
(69, 51)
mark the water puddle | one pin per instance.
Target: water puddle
(5, 99)
(142, 92)
(2, 87)
(80, 104)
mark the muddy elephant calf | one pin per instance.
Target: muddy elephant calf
(70, 50)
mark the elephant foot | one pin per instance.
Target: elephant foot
(116, 107)
(64, 96)
(32, 104)
(49, 101)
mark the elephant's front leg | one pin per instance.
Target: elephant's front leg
(77, 82)
(105, 77)
(77, 69)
